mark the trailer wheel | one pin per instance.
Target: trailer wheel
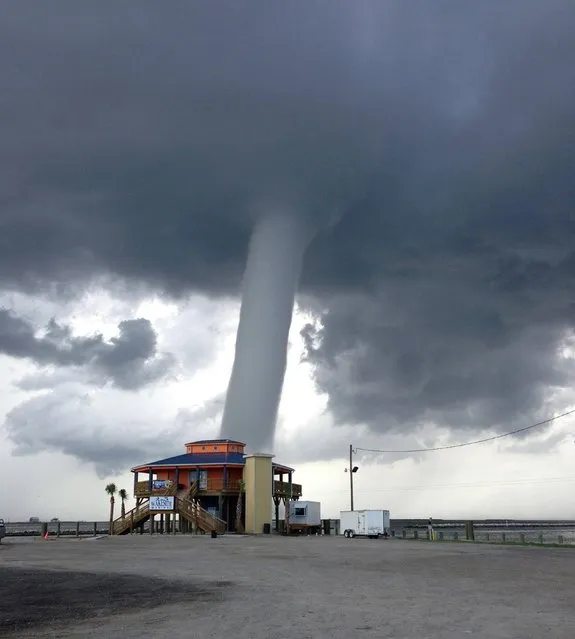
(346, 534)
(351, 534)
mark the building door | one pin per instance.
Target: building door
(201, 477)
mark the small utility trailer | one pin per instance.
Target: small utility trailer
(372, 524)
(305, 517)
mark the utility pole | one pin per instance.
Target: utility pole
(351, 474)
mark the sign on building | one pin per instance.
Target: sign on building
(159, 502)
(159, 484)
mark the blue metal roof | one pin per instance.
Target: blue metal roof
(282, 468)
(202, 459)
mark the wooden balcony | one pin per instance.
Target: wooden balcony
(214, 486)
(218, 485)
(282, 489)
(143, 489)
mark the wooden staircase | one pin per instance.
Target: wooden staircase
(204, 520)
(186, 505)
(134, 518)
(189, 508)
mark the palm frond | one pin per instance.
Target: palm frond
(111, 489)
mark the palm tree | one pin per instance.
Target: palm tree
(123, 495)
(111, 490)
(242, 488)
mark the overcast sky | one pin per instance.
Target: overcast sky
(137, 143)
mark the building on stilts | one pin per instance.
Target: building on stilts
(213, 486)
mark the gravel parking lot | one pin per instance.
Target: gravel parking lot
(308, 587)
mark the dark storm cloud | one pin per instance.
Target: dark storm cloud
(441, 360)
(130, 360)
(138, 139)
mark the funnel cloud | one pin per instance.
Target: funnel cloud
(268, 294)
(138, 139)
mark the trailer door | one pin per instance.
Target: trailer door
(361, 524)
(375, 523)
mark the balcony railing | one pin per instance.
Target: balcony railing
(158, 488)
(217, 484)
(282, 489)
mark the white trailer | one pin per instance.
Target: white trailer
(305, 516)
(364, 523)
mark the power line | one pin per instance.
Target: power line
(481, 485)
(473, 443)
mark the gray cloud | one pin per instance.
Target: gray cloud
(138, 141)
(78, 423)
(130, 360)
(440, 355)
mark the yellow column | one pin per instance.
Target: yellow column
(258, 480)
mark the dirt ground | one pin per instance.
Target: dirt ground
(274, 587)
